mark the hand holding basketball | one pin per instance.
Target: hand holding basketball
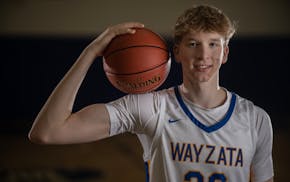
(100, 43)
(136, 60)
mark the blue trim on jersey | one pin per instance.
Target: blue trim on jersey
(211, 128)
(147, 171)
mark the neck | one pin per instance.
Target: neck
(204, 94)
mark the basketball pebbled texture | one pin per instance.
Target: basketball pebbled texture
(137, 63)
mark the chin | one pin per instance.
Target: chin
(203, 79)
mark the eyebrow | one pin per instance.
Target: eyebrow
(213, 39)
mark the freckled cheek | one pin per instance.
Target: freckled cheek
(218, 53)
(217, 56)
(187, 63)
(191, 66)
(187, 57)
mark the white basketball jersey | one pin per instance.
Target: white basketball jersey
(184, 142)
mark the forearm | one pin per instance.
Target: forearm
(63, 96)
(55, 122)
(59, 105)
(270, 180)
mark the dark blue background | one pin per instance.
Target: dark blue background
(257, 69)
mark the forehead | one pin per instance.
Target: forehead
(203, 36)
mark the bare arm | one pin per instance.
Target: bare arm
(55, 123)
(252, 177)
(270, 180)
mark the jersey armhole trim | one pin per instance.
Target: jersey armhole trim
(147, 169)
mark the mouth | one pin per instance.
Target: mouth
(202, 68)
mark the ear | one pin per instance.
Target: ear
(225, 54)
(176, 53)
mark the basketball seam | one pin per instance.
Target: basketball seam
(125, 74)
(118, 50)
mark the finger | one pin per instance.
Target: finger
(134, 25)
(128, 27)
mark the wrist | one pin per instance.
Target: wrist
(91, 52)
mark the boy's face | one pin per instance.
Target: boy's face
(201, 55)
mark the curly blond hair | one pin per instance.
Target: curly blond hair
(204, 18)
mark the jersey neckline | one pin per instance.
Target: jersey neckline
(199, 124)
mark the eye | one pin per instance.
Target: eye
(213, 44)
(192, 44)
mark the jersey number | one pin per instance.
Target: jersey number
(197, 175)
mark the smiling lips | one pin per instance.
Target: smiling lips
(202, 68)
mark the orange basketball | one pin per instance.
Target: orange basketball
(137, 63)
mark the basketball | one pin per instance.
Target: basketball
(137, 63)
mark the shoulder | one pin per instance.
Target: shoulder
(246, 105)
(156, 96)
(254, 113)
(151, 100)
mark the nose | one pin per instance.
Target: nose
(202, 52)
